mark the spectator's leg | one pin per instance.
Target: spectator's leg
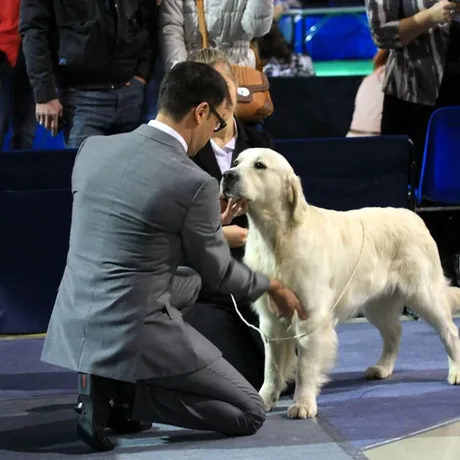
(6, 99)
(153, 88)
(401, 117)
(23, 110)
(87, 113)
(130, 104)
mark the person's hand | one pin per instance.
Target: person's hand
(284, 302)
(236, 235)
(232, 208)
(442, 12)
(48, 115)
(279, 10)
(140, 79)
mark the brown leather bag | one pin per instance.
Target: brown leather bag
(254, 102)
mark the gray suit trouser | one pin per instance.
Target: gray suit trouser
(216, 398)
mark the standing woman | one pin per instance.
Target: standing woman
(423, 68)
(231, 25)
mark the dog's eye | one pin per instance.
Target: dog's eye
(235, 163)
(259, 165)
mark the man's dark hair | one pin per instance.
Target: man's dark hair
(187, 85)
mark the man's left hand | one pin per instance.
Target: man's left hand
(140, 79)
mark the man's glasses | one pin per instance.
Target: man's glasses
(221, 123)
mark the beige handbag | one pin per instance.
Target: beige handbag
(254, 102)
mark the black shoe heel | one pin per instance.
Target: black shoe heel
(95, 413)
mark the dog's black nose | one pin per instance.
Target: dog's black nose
(230, 176)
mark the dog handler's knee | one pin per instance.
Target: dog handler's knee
(255, 416)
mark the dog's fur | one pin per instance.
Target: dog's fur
(314, 251)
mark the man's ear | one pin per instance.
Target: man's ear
(201, 112)
(295, 198)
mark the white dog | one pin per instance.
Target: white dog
(374, 260)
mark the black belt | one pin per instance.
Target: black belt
(99, 87)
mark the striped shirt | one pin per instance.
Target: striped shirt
(414, 72)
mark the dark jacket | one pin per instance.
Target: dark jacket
(88, 44)
(248, 137)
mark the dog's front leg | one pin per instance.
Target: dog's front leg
(277, 355)
(316, 356)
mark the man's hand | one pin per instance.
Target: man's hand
(236, 235)
(284, 302)
(140, 79)
(48, 115)
(232, 209)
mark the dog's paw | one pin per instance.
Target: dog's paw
(302, 411)
(377, 373)
(270, 398)
(454, 377)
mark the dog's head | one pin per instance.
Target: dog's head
(264, 178)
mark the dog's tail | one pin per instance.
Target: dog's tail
(454, 298)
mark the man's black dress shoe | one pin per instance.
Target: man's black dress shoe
(121, 423)
(105, 403)
(95, 394)
(77, 408)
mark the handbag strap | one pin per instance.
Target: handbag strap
(202, 24)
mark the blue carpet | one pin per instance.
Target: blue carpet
(44, 428)
(351, 409)
(415, 398)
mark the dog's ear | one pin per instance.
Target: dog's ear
(295, 197)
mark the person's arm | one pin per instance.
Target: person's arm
(148, 11)
(389, 31)
(208, 252)
(36, 17)
(257, 17)
(173, 47)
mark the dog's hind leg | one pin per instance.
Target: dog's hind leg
(316, 356)
(435, 306)
(384, 315)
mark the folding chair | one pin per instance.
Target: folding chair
(440, 176)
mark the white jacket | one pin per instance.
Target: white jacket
(231, 25)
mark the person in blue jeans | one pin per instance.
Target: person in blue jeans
(88, 62)
(17, 105)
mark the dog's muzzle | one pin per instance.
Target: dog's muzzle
(229, 184)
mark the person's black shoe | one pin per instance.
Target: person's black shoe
(95, 394)
(77, 408)
(121, 423)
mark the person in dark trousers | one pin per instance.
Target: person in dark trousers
(88, 62)
(145, 236)
(214, 314)
(17, 104)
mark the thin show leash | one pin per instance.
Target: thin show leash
(299, 336)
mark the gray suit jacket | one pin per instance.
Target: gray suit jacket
(413, 72)
(141, 207)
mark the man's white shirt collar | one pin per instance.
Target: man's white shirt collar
(168, 130)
